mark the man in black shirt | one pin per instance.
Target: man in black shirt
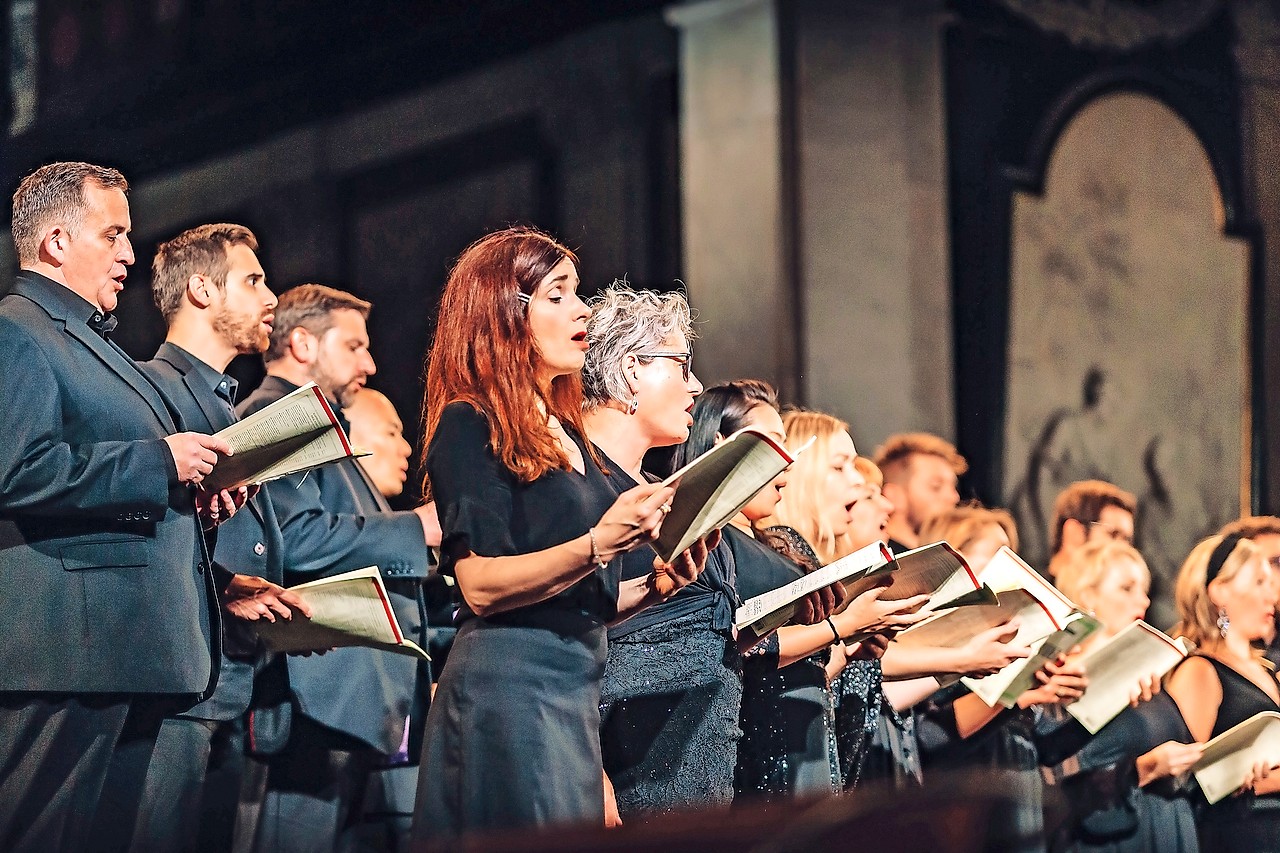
(212, 291)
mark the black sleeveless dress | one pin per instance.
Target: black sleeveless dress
(1243, 824)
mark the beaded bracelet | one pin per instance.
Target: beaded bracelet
(599, 561)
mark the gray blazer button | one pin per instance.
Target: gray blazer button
(259, 549)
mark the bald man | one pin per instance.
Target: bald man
(376, 427)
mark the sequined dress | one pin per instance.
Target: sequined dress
(672, 691)
(788, 743)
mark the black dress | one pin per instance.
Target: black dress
(1243, 824)
(1109, 812)
(513, 734)
(1012, 748)
(788, 742)
(672, 689)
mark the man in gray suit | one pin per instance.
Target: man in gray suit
(212, 291)
(107, 600)
(353, 704)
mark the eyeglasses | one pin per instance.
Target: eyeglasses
(1113, 533)
(684, 359)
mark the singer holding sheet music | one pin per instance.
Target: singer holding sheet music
(1226, 600)
(532, 532)
(1122, 788)
(672, 684)
(794, 750)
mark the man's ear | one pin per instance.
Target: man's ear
(303, 345)
(200, 291)
(1074, 533)
(53, 246)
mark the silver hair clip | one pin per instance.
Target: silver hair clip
(523, 297)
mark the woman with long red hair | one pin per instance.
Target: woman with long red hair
(531, 530)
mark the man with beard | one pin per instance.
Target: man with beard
(211, 290)
(352, 704)
(921, 476)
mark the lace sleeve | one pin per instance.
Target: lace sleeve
(796, 547)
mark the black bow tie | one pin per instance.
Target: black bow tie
(103, 324)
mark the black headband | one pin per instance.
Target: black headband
(1219, 556)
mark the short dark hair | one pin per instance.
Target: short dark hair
(310, 306)
(1084, 501)
(197, 251)
(55, 192)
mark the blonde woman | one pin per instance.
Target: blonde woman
(814, 515)
(1137, 757)
(1226, 601)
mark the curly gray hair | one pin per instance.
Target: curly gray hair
(626, 321)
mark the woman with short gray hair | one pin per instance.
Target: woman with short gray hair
(672, 684)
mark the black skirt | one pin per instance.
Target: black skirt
(513, 735)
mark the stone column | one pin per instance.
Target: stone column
(873, 234)
(732, 176)
(1258, 60)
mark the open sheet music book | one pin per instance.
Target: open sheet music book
(711, 489)
(295, 433)
(1117, 666)
(1051, 625)
(1229, 757)
(350, 609)
(951, 629)
(771, 610)
(936, 570)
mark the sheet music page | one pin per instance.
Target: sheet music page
(1229, 757)
(296, 413)
(351, 609)
(1036, 625)
(1116, 667)
(712, 488)
(934, 568)
(752, 611)
(954, 628)
(295, 433)
(1008, 571)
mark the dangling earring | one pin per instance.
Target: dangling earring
(1224, 623)
(634, 407)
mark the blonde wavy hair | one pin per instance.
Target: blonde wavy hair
(1191, 593)
(963, 525)
(1089, 566)
(801, 505)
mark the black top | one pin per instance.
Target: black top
(1241, 698)
(714, 588)
(484, 509)
(760, 568)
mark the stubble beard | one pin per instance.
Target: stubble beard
(241, 331)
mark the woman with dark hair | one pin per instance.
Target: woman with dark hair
(784, 750)
(531, 534)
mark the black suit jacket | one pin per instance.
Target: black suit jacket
(249, 543)
(103, 588)
(334, 521)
